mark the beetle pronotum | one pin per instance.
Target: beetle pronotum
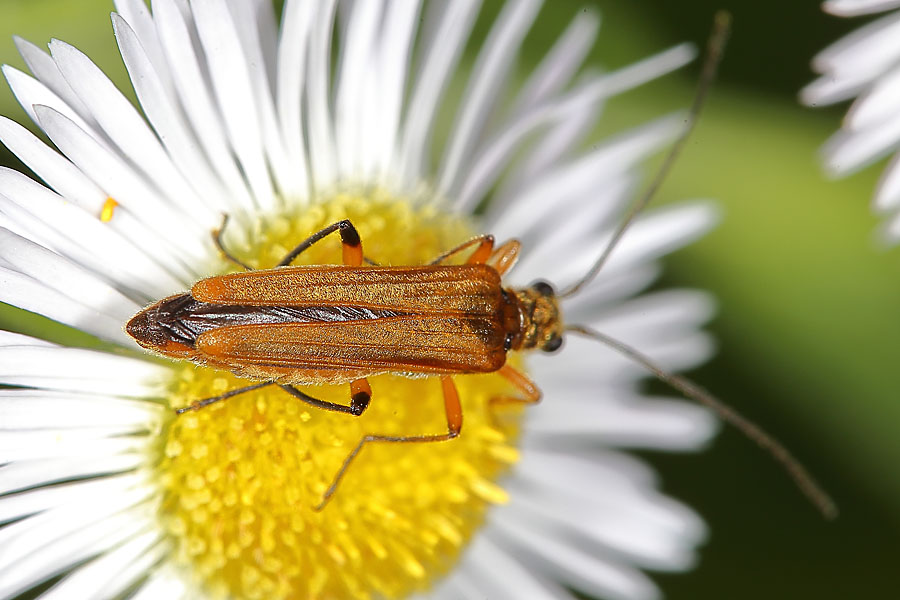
(307, 325)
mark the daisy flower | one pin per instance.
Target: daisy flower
(864, 65)
(288, 125)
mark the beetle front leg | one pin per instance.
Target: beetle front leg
(453, 410)
(531, 394)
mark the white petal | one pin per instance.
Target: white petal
(231, 83)
(64, 276)
(163, 113)
(439, 57)
(322, 157)
(45, 70)
(28, 474)
(196, 98)
(59, 552)
(560, 64)
(356, 60)
(30, 92)
(488, 77)
(124, 126)
(498, 574)
(848, 151)
(577, 180)
(877, 105)
(588, 573)
(71, 443)
(38, 214)
(113, 572)
(251, 20)
(79, 370)
(165, 582)
(137, 15)
(126, 186)
(394, 58)
(852, 8)
(23, 504)
(292, 47)
(887, 195)
(32, 295)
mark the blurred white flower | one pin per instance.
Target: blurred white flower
(105, 490)
(864, 65)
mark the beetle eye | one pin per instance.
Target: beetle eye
(543, 288)
(553, 344)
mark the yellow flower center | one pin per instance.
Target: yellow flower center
(241, 477)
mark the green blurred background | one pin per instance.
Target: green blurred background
(808, 299)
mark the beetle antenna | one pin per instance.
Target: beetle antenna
(802, 479)
(715, 47)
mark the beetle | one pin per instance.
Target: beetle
(341, 324)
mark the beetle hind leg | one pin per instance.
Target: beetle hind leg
(453, 410)
(217, 240)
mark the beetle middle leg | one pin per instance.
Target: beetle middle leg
(360, 395)
(352, 246)
(453, 410)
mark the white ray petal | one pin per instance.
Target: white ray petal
(28, 474)
(60, 174)
(232, 87)
(602, 164)
(113, 572)
(33, 409)
(250, 20)
(58, 551)
(40, 444)
(41, 64)
(79, 370)
(8, 338)
(23, 504)
(481, 96)
(126, 186)
(887, 194)
(124, 126)
(137, 15)
(591, 574)
(357, 59)
(621, 535)
(870, 49)
(322, 157)
(394, 58)
(32, 295)
(66, 229)
(587, 411)
(499, 574)
(438, 61)
(64, 276)
(292, 47)
(559, 65)
(164, 115)
(192, 87)
(877, 105)
(31, 92)
(33, 533)
(852, 8)
(165, 582)
(849, 151)
(652, 236)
